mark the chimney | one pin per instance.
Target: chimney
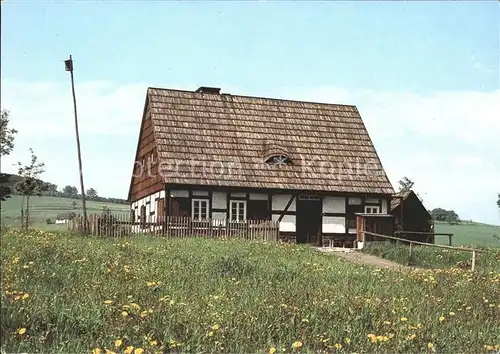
(206, 89)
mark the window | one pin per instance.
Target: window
(279, 160)
(372, 209)
(200, 209)
(258, 210)
(238, 210)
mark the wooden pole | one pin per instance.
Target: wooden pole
(449, 240)
(473, 266)
(69, 67)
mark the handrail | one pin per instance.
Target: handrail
(423, 243)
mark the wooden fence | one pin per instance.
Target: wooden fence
(376, 237)
(428, 234)
(119, 225)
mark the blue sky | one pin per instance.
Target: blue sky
(424, 75)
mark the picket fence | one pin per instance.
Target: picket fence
(119, 225)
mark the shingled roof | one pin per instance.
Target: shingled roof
(231, 136)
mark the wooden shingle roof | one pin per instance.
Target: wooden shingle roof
(223, 140)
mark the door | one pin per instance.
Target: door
(308, 219)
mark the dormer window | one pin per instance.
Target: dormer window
(275, 155)
(279, 160)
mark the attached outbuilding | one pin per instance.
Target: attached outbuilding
(411, 216)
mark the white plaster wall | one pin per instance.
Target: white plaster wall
(238, 195)
(179, 193)
(287, 224)
(200, 193)
(372, 200)
(352, 231)
(258, 196)
(136, 206)
(354, 201)
(333, 224)
(279, 202)
(333, 205)
(384, 207)
(219, 200)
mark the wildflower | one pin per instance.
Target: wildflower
(411, 336)
(118, 343)
(138, 351)
(372, 337)
(96, 351)
(124, 313)
(297, 344)
(441, 319)
(107, 351)
(108, 302)
(338, 346)
(431, 347)
(128, 350)
(153, 343)
(347, 340)
(21, 331)
(387, 322)
(272, 350)
(452, 313)
(210, 334)
(25, 296)
(404, 319)
(215, 327)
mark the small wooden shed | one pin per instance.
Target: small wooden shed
(410, 215)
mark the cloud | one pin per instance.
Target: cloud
(447, 142)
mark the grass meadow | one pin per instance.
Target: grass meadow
(469, 234)
(43, 208)
(64, 293)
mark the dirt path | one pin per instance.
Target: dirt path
(364, 259)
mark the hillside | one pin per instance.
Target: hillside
(469, 234)
(43, 208)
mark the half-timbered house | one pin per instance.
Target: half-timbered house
(211, 155)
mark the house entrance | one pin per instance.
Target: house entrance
(308, 219)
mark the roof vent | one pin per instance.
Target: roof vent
(206, 89)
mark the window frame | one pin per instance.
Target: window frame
(237, 202)
(200, 201)
(375, 209)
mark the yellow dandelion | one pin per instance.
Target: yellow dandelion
(21, 330)
(128, 350)
(297, 344)
(404, 319)
(153, 343)
(372, 337)
(108, 302)
(210, 334)
(272, 350)
(411, 336)
(431, 347)
(215, 327)
(96, 351)
(338, 346)
(138, 351)
(25, 296)
(107, 351)
(118, 343)
(441, 319)
(124, 313)
(347, 340)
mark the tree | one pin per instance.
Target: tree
(6, 145)
(30, 183)
(449, 216)
(70, 191)
(405, 184)
(6, 135)
(91, 193)
(498, 201)
(74, 203)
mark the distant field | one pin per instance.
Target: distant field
(469, 234)
(42, 208)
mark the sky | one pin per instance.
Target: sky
(424, 76)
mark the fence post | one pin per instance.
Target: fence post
(449, 240)
(473, 266)
(411, 254)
